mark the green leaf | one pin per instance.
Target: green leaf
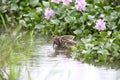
(34, 2)
(90, 17)
(39, 9)
(77, 32)
(109, 33)
(117, 8)
(107, 8)
(114, 15)
(73, 48)
(46, 4)
(119, 21)
(103, 33)
(70, 19)
(87, 56)
(36, 17)
(85, 16)
(103, 58)
(55, 21)
(39, 26)
(14, 6)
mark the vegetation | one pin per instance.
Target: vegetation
(95, 45)
(15, 50)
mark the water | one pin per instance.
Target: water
(42, 67)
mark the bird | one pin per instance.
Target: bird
(64, 41)
(68, 37)
(56, 40)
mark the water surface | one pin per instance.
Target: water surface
(42, 67)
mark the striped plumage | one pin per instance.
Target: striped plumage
(63, 41)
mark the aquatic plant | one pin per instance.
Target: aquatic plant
(100, 25)
(66, 2)
(95, 23)
(49, 13)
(3, 21)
(14, 53)
(80, 5)
(56, 1)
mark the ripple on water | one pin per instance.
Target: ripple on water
(42, 67)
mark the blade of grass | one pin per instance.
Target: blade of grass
(29, 77)
(3, 21)
(1, 75)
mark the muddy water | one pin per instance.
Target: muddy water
(42, 67)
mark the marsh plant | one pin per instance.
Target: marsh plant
(15, 50)
(95, 23)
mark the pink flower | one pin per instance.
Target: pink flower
(56, 1)
(100, 25)
(80, 5)
(66, 2)
(49, 13)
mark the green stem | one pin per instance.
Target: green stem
(3, 21)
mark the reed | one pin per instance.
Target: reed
(3, 21)
(15, 50)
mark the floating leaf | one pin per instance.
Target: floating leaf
(77, 32)
(46, 4)
(34, 2)
(14, 6)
